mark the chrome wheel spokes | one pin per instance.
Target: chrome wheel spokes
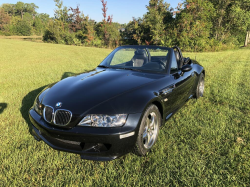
(150, 131)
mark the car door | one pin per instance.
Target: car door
(176, 93)
(187, 81)
(171, 94)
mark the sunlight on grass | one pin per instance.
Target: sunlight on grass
(205, 144)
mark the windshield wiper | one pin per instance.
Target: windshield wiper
(102, 66)
(132, 69)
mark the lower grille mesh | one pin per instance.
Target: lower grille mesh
(62, 117)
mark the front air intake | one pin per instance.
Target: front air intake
(62, 117)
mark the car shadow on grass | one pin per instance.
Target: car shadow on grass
(3, 106)
(29, 99)
(27, 103)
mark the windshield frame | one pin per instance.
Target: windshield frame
(106, 62)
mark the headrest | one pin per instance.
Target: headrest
(140, 52)
(177, 55)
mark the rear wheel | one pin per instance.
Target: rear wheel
(200, 87)
(149, 130)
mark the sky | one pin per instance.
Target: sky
(122, 10)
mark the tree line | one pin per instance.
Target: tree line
(22, 19)
(195, 25)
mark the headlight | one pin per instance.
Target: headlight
(104, 120)
(38, 106)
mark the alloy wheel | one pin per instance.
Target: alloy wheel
(150, 130)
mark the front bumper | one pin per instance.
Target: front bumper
(91, 143)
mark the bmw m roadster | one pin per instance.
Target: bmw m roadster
(118, 107)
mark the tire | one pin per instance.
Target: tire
(148, 136)
(200, 87)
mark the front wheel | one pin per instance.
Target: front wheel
(149, 130)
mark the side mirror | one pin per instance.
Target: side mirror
(186, 68)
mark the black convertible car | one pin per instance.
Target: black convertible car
(119, 106)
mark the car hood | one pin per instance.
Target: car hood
(85, 91)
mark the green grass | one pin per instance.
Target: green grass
(205, 144)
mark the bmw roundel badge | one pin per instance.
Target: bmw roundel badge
(58, 105)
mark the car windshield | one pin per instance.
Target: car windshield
(140, 58)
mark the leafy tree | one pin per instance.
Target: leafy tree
(238, 22)
(76, 19)
(31, 9)
(61, 13)
(134, 32)
(105, 25)
(4, 19)
(53, 33)
(43, 17)
(193, 25)
(90, 32)
(20, 19)
(154, 20)
(20, 8)
(9, 9)
(232, 19)
(24, 28)
(38, 26)
(28, 18)
(108, 31)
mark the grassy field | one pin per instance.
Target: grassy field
(207, 143)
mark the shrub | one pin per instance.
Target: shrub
(97, 42)
(68, 38)
(52, 33)
(23, 28)
(51, 36)
(80, 35)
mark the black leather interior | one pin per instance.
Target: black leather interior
(140, 58)
(153, 65)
